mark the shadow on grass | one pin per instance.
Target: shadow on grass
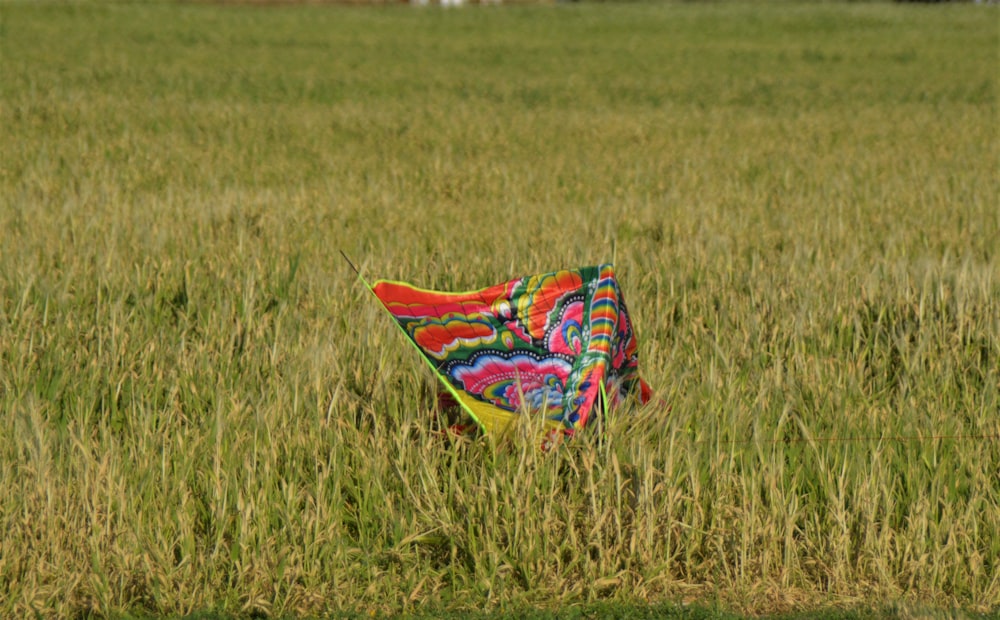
(595, 611)
(667, 611)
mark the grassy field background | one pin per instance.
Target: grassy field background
(202, 410)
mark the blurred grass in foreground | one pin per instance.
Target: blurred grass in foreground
(202, 410)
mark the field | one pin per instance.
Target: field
(202, 410)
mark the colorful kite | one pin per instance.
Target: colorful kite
(558, 345)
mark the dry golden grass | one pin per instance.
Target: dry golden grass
(202, 409)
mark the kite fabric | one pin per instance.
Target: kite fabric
(559, 345)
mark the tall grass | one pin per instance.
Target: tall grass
(202, 410)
